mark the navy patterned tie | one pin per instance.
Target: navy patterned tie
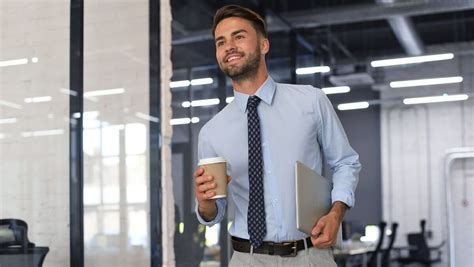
(256, 210)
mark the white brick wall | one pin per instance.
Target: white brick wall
(414, 141)
(34, 171)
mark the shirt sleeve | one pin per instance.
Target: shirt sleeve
(221, 204)
(339, 155)
(205, 150)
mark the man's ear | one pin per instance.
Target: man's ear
(265, 46)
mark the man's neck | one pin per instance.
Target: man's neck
(250, 85)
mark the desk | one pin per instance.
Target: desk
(342, 255)
(22, 257)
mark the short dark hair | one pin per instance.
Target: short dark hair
(240, 12)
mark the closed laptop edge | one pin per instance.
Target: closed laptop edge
(313, 199)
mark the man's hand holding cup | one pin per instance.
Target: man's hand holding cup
(211, 181)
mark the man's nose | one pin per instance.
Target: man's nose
(230, 47)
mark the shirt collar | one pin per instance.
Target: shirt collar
(265, 93)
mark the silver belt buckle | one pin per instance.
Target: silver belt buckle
(293, 248)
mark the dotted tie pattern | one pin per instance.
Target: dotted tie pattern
(256, 210)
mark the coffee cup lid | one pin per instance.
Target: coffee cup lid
(211, 160)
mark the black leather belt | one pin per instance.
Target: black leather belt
(284, 249)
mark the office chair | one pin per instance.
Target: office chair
(372, 262)
(418, 250)
(14, 233)
(15, 248)
(387, 251)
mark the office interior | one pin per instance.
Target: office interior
(101, 103)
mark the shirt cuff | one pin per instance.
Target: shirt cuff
(347, 197)
(221, 204)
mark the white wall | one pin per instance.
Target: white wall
(414, 141)
(34, 170)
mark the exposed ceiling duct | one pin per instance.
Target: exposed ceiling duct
(405, 31)
(407, 35)
(312, 18)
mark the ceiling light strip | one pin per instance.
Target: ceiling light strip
(425, 82)
(411, 60)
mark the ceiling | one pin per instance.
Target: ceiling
(334, 31)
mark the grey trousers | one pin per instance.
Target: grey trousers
(309, 257)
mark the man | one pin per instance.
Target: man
(261, 134)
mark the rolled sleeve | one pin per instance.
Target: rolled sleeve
(339, 155)
(221, 205)
(345, 196)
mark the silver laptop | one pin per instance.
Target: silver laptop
(313, 198)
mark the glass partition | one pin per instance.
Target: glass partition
(34, 130)
(116, 101)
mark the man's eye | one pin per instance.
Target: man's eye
(218, 44)
(239, 37)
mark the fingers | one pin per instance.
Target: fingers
(198, 172)
(202, 188)
(203, 179)
(203, 191)
(203, 183)
(318, 229)
(319, 237)
(322, 241)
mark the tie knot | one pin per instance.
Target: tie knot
(253, 102)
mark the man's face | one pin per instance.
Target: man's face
(237, 48)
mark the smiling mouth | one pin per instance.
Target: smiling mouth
(233, 58)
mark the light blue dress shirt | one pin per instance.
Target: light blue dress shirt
(297, 122)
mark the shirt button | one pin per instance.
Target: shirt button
(269, 172)
(264, 143)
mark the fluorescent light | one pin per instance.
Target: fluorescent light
(311, 70)
(410, 60)
(354, 105)
(43, 133)
(186, 104)
(68, 92)
(336, 90)
(185, 83)
(13, 62)
(2, 136)
(201, 103)
(422, 82)
(114, 91)
(34, 59)
(147, 117)
(205, 102)
(10, 104)
(202, 81)
(176, 84)
(181, 121)
(38, 99)
(7, 120)
(88, 115)
(434, 99)
(229, 99)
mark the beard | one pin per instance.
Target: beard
(248, 68)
